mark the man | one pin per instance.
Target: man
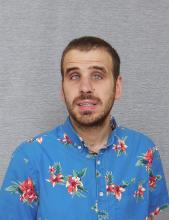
(88, 168)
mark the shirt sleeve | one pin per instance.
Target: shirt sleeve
(19, 194)
(158, 194)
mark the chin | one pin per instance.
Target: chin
(89, 120)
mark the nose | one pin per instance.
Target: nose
(86, 86)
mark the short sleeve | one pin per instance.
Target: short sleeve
(19, 191)
(158, 194)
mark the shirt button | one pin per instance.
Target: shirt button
(98, 173)
(79, 147)
(101, 193)
(98, 162)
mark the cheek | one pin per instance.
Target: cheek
(106, 91)
(69, 94)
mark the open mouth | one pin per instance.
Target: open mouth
(87, 105)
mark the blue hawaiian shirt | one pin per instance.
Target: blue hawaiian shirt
(53, 176)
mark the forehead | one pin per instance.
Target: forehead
(99, 56)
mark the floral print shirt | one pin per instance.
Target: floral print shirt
(53, 176)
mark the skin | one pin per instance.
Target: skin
(89, 93)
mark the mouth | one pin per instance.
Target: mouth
(87, 105)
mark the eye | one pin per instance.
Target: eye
(74, 76)
(97, 76)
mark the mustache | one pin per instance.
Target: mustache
(86, 96)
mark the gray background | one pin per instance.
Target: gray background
(32, 37)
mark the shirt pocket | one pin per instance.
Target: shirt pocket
(129, 203)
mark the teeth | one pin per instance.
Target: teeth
(86, 104)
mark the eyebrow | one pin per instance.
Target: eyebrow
(68, 70)
(101, 68)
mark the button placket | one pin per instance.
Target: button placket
(100, 181)
(101, 194)
(99, 178)
(98, 173)
(98, 162)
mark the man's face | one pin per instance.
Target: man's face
(88, 86)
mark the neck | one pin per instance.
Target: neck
(95, 137)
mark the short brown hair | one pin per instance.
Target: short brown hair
(87, 43)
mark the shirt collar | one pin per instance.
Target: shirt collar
(70, 136)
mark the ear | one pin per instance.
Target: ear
(118, 91)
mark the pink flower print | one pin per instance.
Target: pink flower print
(115, 190)
(39, 140)
(140, 192)
(54, 179)
(121, 147)
(27, 190)
(116, 147)
(52, 169)
(56, 176)
(156, 211)
(152, 181)
(73, 183)
(66, 139)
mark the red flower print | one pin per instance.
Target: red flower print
(156, 211)
(115, 190)
(140, 192)
(66, 139)
(73, 183)
(54, 179)
(120, 147)
(148, 156)
(116, 147)
(27, 191)
(152, 181)
(52, 169)
(146, 159)
(56, 176)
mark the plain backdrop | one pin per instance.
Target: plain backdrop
(32, 37)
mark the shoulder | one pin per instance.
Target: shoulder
(34, 147)
(135, 138)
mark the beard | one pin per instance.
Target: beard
(86, 119)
